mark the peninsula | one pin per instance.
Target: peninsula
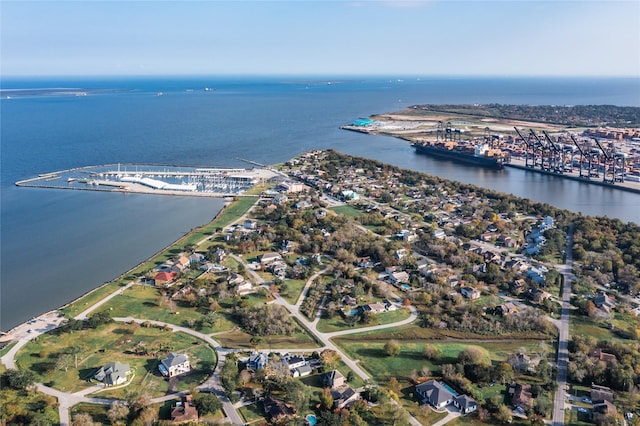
(346, 290)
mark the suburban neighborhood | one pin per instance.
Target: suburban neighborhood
(347, 291)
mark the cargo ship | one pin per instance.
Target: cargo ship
(465, 152)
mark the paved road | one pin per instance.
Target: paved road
(83, 315)
(563, 338)
(213, 383)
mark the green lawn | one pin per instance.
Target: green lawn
(347, 210)
(294, 288)
(233, 211)
(373, 359)
(584, 326)
(337, 323)
(6, 349)
(242, 340)
(116, 342)
(253, 413)
(144, 302)
(90, 299)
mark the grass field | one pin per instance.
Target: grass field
(253, 413)
(584, 326)
(116, 342)
(294, 288)
(373, 359)
(337, 323)
(242, 340)
(347, 210)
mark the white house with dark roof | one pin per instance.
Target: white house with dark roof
(258, 360)
(174, 365)
(434, 393)
(465, 404)
(113, 373)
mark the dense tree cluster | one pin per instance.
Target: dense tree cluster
(265, 320)
(621, 374)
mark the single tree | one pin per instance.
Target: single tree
(392, 348)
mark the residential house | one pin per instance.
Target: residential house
(537, 296)
(609, 359)
(250, 224)
(518, 286)
(182, 263)
(303, 370)
(269, 258)
(601, 393)
(465, 404)
(374, 308)
(364, 262)
(439, 233)
(235, 279)
(245, 288)
(196, 257)
(434, 393)
(521, 395)
(257, 361)
(401, 277)
(470, 292)
(520, 361)
(505, 309)
(163, 278)
(400, 254)
(344, 396)
(301, 205)
(349, 301)
(280, 199)
(184, 411)
(292, 187)
(277, 411)
(332, 379)
(537, 274)
(406, 235)
(293, 361)
(174, 364)
(219, 255)
(604, 302)
(113, 373)
(389, 306)
(604, 408)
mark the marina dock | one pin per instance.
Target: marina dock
(159, 180)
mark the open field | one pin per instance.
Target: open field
(240, 339)
(347, 210)
(337, 323)
(373, 359)
(116, 342)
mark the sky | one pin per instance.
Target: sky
(330, 37)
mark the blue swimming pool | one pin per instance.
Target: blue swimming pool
(311, 420)
(447, 387)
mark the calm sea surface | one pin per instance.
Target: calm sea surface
(56, 245)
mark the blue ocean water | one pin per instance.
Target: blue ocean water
(56, 245)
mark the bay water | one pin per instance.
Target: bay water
(57, 245)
